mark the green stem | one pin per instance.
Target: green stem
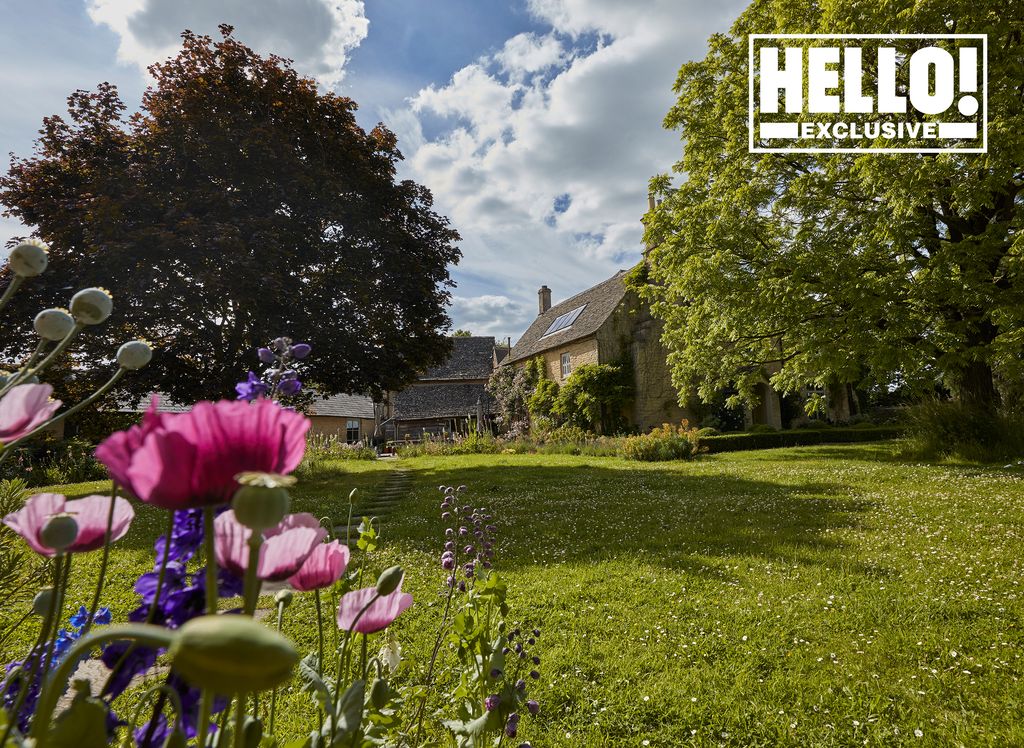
(16, 281)
(141, 633)
(273, 694)
(251, 584)
(211, 561)
(240, 720)
(104, 559)
(63, 573)
(154, 606)
(70, 411)
(206, 700)
(25, 373)
(319, 643)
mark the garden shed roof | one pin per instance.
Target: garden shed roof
(423, 401)
(471, 358)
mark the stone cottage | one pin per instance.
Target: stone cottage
(603, 325)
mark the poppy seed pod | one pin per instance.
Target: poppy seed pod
(389, 580)
(91, 306)
(231, 654)
(54, 324)
(134, 355)
(28, 259)
(260, 507)
(59, 532)
(379, 693)
(283, 597)
(43, 601)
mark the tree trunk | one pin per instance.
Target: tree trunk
(974, 385)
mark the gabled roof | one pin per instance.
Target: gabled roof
(597, 305)
(471, 358)
(345, 406)
(441, 400)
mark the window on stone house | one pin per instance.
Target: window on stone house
(566, 366)
(351, 431)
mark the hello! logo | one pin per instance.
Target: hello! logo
(842, 93)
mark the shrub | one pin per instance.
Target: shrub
(940, 429)
(49, 462)
(473, 443)
(594, 395)
(667, 442)
(762, 428)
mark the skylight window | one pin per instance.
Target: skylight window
(563, 321)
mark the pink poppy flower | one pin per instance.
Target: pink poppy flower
(90, 513)
(284, 550)
(189, 460)
(381, 614)
(24, 408)
(322, 568)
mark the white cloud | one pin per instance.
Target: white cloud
(576, 112)
(317, 34)
(528, 53)
(490, 315)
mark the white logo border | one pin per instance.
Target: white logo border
(750, 93)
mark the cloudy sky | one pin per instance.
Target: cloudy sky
(536, 123)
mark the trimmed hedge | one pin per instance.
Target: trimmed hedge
(797, 438)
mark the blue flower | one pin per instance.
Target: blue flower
(252, 388)
(79, 619)
(103, 617)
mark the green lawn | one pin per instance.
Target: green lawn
(806, 596)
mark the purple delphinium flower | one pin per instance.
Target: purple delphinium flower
(300, 350)
(533, 707)
(251, 388)
(492, 702)
(512, 726)
(289, 386)
(265, 355)
(65, 638)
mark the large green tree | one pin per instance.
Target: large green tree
(238, 204)
(835, 268)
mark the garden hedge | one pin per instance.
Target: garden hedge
(797, 438)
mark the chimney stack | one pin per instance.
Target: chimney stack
(543, 299)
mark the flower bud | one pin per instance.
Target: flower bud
(28, 259)
(260, 507)
(265, 355)
(231, 655)
(59, 532)
(289, 386)
(389, 580)
(300, 350)
(283, 597)
(54, 324)
(91, 306)
(134, 355)
(379, 693)
(43, 602)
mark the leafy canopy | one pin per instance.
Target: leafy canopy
(238, 204)
(862, 268)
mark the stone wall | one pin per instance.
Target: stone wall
(335, 426)
(580, 352)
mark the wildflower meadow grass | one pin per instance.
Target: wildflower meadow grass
(804, 596)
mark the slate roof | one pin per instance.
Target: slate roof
(599, 302)
(343, 406)
(440, 400)
(471, 358)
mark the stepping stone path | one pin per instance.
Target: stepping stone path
(387, 497)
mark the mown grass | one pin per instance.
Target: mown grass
(804, 596)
